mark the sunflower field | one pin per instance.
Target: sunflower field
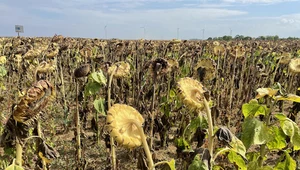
(75, 103)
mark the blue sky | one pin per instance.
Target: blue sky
(160, 19)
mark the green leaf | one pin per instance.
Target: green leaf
(190, 130)
(92, 88)
(290, 97)
(238, 146)
(182, 144)
(255, 132)
(99, 106)
(285, 162)
(172, 94)
(291, 129)
(169, 165)
(278, 141)
(216, 167)
(233, 157)
(3, 71)
(13, 166)
(253, 165)
(99, 77)
(253, 108)
(253, 156)
(280, 116)
(197, 164)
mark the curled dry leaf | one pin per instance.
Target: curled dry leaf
(47, 153)
(262, 92)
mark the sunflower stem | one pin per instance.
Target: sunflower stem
(210, 131)
(19, 152)
(39, 133)
(77, 123)
(145, 144)
(112, 141)
(152, 112)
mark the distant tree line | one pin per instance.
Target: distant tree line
(241, 37)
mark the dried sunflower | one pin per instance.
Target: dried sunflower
(36, 98)
(82, 71)
(294, 65)
(122, 69)
(45, 67)
(205, 69)
(191, 92)
(159, 67)
(120, 119)
(285, 58)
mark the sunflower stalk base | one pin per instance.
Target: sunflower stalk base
(77, 123)
(112, 141)
(210, 131)
(39, 133)
(152, 113)
(145, 144)
(19, 152)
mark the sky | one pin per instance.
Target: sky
(150, 19)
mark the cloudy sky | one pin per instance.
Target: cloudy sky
(152, 19)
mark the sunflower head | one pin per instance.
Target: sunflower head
(35, 99)
(294, 65)
(45, 67)
(159, 67)
(82, 71)
(205, 69)
(192, 93)
(119, 120)
(122, 69)
(285, 58)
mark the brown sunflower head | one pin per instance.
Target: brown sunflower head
(82, 71)
(294, 65)
(120, 119)
(159, 67)
(192, 93)
(122, 69)
(35, 99)
(205, 69)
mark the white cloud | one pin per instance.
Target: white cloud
(258, 1)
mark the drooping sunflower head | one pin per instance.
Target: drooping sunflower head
(159, 67)
(120, 119)
(82, 71)
(285, 58)
(122, 69)
(205, 69)
(191, 93)
(294, 65)
(35, 99)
